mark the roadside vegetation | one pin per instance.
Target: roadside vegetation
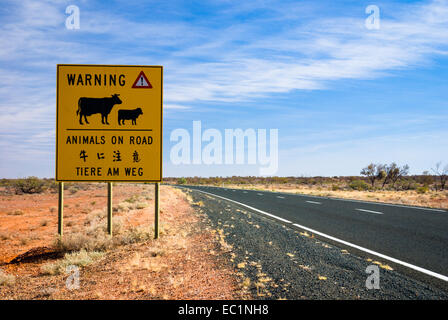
(35, 185)
(93, 242)
(377, 182)
(372, 177)
(183, 263)
(6, 279)
(80, 259)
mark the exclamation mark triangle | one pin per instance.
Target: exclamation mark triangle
(142, 82)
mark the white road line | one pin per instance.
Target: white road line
(406, 264)
(245, 205)
(364, 210)
(366, 202)
(244, 191)
(260, 194)
(314, 202)
(280, 197)
(388, 204)
(422, 270)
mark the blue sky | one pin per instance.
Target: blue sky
(340, 95)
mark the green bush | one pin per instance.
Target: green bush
(422, 190)
(182, 181)
(52, 186)
(335, 187)
(359, 185)
(29, 185)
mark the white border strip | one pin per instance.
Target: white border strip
(406, 264)
(313, 202)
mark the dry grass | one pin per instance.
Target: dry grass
(129, 205)
(81, 241)
(81, 258)
(6, 279)
(5, 236)
(16, 213)
(131, 264)
(134, 235)
(94, 237)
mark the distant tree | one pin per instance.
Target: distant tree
(399, 173)
(388, 173)
(373, 172)
(393, 172)
(426, 179)
(442, 174)
(381, 172)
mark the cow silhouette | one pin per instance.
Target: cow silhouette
(129, 115)
(89, 106)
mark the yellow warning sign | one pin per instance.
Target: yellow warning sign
(109, 123)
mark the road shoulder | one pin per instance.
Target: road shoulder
(274, 261)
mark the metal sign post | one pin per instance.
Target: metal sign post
(109, 208)
(61, 209)
(156, 211)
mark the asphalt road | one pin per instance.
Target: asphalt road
(412, 235)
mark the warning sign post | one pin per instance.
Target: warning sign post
(109, 123)
(109, 126)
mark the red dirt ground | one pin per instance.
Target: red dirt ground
(184, 263)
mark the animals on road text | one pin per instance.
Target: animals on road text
(89, 106)
(129, 115)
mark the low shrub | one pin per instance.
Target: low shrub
(141, 205)
(421, 190)
(359, 185)
(52, 186)
(6, 279)
(15, 213)
(79, 259)
(5, 236)
(335, 187)
(132, 199)
(29, 185)
(134, 235)
(89, 242)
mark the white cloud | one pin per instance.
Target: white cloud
(175, 106)
(238, 61)
(233, 62)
